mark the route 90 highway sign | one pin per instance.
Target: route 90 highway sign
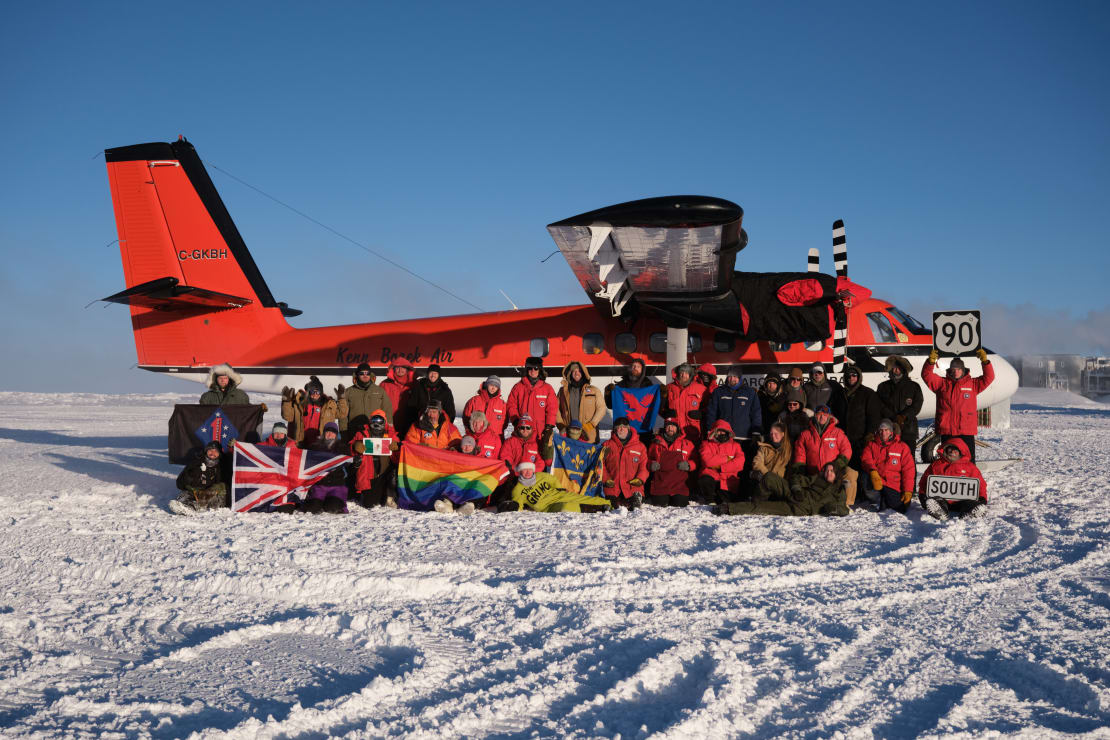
(956, 333)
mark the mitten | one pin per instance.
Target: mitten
(609, 483)
(340, 390)
(683, 465)
(907, 497)
(635, 482)
(933, 357)
(982, 355)
(654, 466)
(358, 447)
(288, 394)
(876, 480)
(840, 463)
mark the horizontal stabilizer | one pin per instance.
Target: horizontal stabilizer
(166, 294)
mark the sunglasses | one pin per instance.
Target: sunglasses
(523, 428)
(363, 372)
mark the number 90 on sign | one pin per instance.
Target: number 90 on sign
(956, 333)
(952, 488)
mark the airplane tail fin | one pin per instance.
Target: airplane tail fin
(196, 295)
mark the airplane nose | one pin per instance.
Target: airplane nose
(1005, 382)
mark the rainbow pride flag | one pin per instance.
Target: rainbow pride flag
(426, 474)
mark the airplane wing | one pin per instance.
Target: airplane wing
(672, 249)
(676, 256)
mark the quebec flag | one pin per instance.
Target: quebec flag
(577, 464)
(640, 405)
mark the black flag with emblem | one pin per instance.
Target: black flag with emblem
(192, 426)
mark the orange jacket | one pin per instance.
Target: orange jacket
(422, 433)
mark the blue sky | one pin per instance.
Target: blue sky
(964, 144)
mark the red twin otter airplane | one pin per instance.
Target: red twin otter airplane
(659, 272)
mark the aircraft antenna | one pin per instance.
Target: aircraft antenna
(510, 300)
(343, 236)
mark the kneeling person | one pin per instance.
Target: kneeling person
(200, 484)
(374, 474)
(955, 460)
(672, 457)
(330, 493)
(541, 492)
(888, 462)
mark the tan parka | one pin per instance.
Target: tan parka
(591, 405)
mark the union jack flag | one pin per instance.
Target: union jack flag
(264, 477)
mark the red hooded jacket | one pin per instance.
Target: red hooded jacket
(270, 442)
(683, 401)
(722, 461)
(366, 466)
(538, 401)
(893, 460)
(962, 468)
(816, 449)
(516, 450)
(399, 393)
(493, 407)
(669, 480)
(956, 399)
(489, 444)
(623, 462)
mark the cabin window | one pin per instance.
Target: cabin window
(914, 326)
(658, 343)
(723, 342)
(780, 346)
(815, 346)
(626, 343)
(538, 347)
(593, 344)
(881, 328)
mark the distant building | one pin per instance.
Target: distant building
(1089, 376)
(1095, 377)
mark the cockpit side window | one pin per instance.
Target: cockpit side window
(912, 324)
(881, 328)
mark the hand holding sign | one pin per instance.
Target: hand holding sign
(956, 333)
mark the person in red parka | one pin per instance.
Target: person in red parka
(707, 376)
(491, 403)
(398, 386)
(373, 473)
(824, 442)
(957, 396)
(488, 442)
(888, 463)
(279, 436)
(523, 445)
(533, 396)
(671, 458)
(954, 460)
(722, 462)
(684, 396)
(625, 466)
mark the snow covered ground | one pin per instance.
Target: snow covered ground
(119, 618)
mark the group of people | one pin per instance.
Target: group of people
(796, 446)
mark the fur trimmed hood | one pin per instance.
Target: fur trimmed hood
(224, 369)
(901, 362)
